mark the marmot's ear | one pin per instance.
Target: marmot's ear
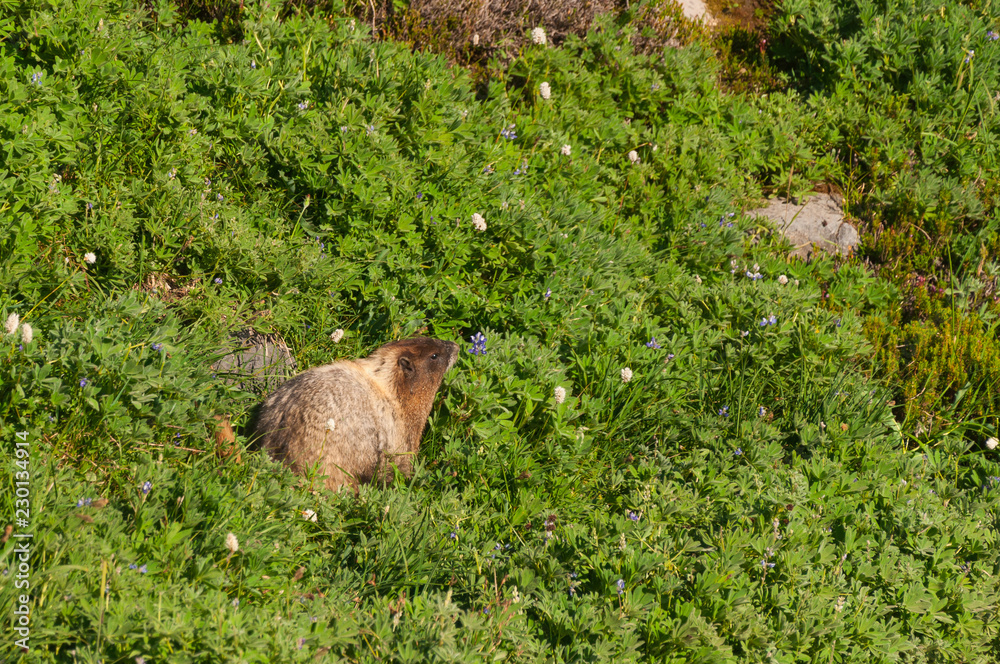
(406, 366)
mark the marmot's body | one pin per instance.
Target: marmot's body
(356, 419)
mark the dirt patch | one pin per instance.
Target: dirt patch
(748, 15)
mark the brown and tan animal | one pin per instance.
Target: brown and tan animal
(357, 419)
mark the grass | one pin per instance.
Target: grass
(753, 488)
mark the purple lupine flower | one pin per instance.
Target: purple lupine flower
(478, 344)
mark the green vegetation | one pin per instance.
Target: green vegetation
(725, 480)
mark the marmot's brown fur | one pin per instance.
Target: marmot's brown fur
(357, 419)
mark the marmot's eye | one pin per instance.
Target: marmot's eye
(434, 356)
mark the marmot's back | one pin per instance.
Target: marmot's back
(355, 420)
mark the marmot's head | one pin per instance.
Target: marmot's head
(418, 366)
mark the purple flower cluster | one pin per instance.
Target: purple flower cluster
(478, 344)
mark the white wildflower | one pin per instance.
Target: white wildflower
(331, 424)
(337, 335)
(478, 222)
(992, 443)
(475, 39)
(796, 282)
(515, 596)
(232, 543)
(27, 334)
(782, 279)
(544, 90)
(697, 279)
(560, 394)
(90, 257)
(566, 150)
(626, 375)
(309, 515)
(633, 156)
(13, 321)
(538, 36)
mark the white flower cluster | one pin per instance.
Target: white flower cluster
(12, 322)
(337, 335)
(10, 327)
(633, 156)
(538, 36)
(566, 150)
(478, 222)
(544, 90)
(560, 394)
(626, 375)
(90, 257)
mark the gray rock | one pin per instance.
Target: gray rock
(257, 363)
(818, 223)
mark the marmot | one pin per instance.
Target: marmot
(357, 419)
